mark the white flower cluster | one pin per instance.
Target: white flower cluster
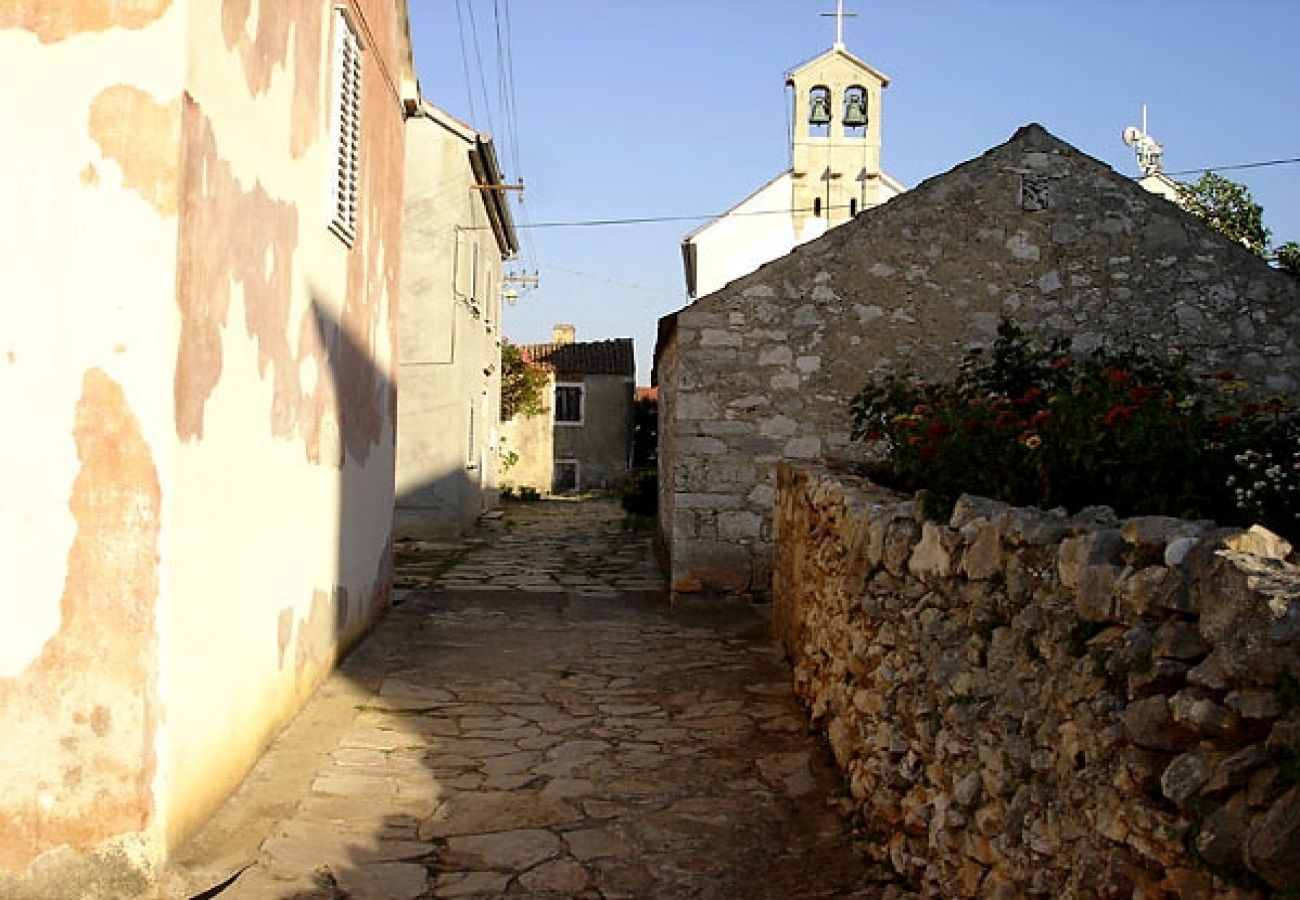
(1264, 480)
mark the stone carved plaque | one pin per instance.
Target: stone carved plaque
(1035, 193)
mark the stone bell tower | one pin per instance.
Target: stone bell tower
(835, 138)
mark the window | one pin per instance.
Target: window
(346, 128)
(817, 206)
(568, 404)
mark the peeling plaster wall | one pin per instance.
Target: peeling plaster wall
(450, 334)
(87, 326)
(284, 390)
(764, 369)
(196, 522)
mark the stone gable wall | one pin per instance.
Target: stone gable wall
(1025, 704)
(764, 369)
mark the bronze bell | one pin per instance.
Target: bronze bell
(821, 110)
(855, 110)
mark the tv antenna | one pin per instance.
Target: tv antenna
(1150, 153)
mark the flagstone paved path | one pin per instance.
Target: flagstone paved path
(531, 721)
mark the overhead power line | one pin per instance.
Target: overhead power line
(652, 220)
(1251, 165)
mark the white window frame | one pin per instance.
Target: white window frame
(582, 403)
(345, 126)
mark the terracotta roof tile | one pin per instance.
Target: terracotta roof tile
(586, 357)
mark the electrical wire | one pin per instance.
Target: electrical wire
(1252, 165)
(651, 220)
(478, 57)
(464, 59)
(616, 282)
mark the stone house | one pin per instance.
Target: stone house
(205, 221)
(590, 414)
(457, 232)
(1034, 230)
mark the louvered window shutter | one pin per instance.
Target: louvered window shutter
(346, 188)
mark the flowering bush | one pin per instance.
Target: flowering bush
(1038, 426)
(523, 383)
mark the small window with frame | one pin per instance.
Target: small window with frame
(569, 404)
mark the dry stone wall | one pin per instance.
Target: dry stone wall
(763, 370)
(1029, 704)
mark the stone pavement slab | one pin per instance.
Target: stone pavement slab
(496, 738)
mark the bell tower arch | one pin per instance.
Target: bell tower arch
(835, 138)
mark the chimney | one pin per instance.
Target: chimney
(563, 334)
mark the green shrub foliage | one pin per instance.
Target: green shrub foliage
(1039, 426)
(640, 494)
(523, 383)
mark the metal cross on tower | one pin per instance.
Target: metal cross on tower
(840, 15)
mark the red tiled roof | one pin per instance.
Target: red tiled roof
(586, 357)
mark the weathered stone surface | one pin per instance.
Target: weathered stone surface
(1101, 547)
(1259, 541)
(933, 556)
(1152, 535)
(1099, 263)
(1254, 703)
(1149, 723)
(578, 744)
(1273, 845)
(1234, 771)
(1222, 838)
(1179, 640)
(1201, 715)
(385, 881)
(561, 876)
(1005, 733)
(1185, 777)
(1094, 600)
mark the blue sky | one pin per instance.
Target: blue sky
(677, 108)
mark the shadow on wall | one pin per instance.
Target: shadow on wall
(349, 417)
(441, 507)
(364, 406)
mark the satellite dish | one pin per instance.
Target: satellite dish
(1132, 135)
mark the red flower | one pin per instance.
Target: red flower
(1227, 421)
(1061, 362)
(1114, 376)
(928, 452)
(1224, 375)
(1040, 417)
(1118, 414)
(938, 430)
(1142, 393)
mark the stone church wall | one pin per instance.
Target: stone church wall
(1025, 704)
(1034, 230)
